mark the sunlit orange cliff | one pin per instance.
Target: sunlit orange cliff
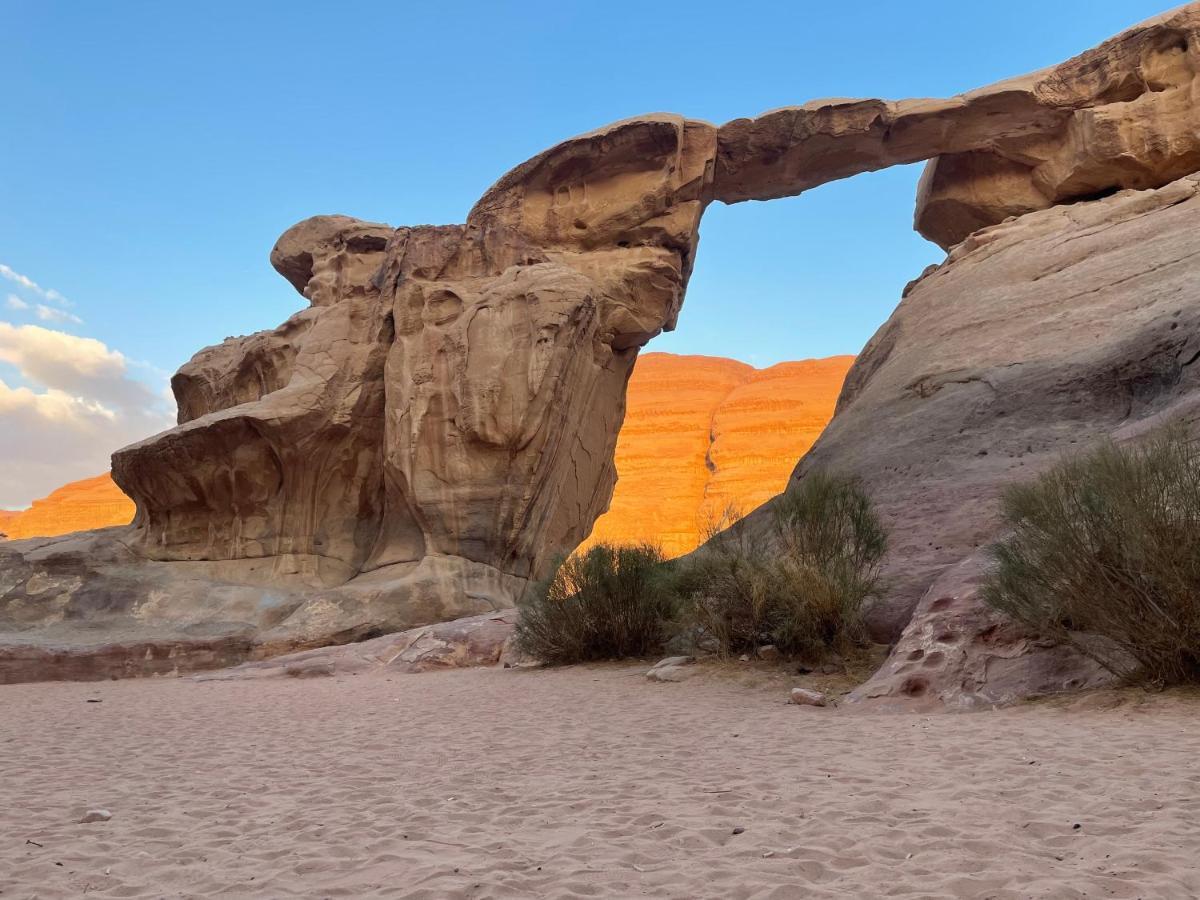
(78, 506)
(705, 434)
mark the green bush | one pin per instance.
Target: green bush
(1108, 544)
(608, 603)
(799, 582)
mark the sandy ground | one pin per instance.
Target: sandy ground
(585, 782)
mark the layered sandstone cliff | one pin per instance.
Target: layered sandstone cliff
(78, 506)
(439, 423)
(704, 436)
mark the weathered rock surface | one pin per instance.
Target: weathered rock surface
(957, 653)
(440, 422)
(474, 641)
(88, 606)
(806, 697)
(78, 506)
(1036, 338)
(672, 670)
(703, 435)
(1123, 115)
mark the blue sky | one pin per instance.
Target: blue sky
(154, 151)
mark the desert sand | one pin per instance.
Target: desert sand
(585, 782)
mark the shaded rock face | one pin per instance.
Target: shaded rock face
(703, 435)
(1035, 339)
(78, 506)
(440, 422)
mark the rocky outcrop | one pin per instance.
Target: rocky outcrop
(78, 506)
(703, 435)
(90, 606)
(957, 653)
(1035, 339)
(440, 422)
(485, 640)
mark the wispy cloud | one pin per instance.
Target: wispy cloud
(52, 314)
(15, 302)
(10, 274)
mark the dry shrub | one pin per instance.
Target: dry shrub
(1108, 544)
(608, 603)
(800, 582)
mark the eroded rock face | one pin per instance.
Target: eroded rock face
(957, 653)
(485, 640)
(1035, 339)
(452, 390)
(440, 422)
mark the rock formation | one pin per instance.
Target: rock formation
(78, 506)
(1034, 339)
(440, 421)
(703, 435)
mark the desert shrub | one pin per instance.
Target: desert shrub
(608, 603)
(798, 581)
(1108, 544)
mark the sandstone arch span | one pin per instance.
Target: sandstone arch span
(439, 423)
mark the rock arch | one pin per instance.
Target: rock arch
(439, 423)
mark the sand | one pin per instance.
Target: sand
(585, 782)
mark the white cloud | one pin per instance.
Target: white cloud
(7, 272)
(51, 314)
(81, 404)
(15, 302)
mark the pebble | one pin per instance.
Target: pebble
(805, 697)
(95, 815)
(673, 668)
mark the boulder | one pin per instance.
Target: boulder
(672, 669)
(956, 653)
(458, 644)
(806, 697)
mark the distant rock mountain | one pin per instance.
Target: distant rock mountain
(703, 435)
(78, 506)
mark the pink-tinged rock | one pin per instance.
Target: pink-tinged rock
(956, 653)
(462, 643)
(805, 697)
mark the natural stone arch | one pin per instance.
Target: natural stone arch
(430, 434)
(439, 424)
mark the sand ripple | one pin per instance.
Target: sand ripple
(586, 782)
